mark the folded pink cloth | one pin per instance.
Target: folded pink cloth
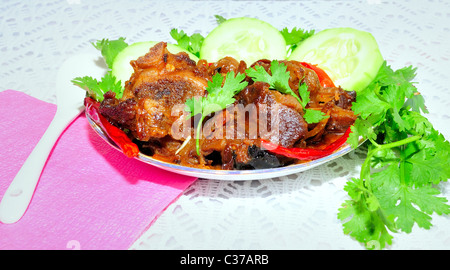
(89, 196)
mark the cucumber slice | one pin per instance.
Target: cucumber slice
(350, 57)
(121, 67)
(244, 38)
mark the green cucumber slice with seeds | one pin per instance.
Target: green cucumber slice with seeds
(350, 57)
(244, 38)
(121, 67)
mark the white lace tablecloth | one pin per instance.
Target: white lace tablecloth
(294, 212)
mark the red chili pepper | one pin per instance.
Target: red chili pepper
(324, 79)
(306, 153)
(117, 135)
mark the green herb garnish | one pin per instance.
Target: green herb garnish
(219, 19)
(295, 36)
(96, 89)
(406, 159)
(192, 43)
(310, 116)
(220, 94)
(110, 48)
(279, 80)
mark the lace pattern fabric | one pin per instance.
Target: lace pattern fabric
(293, 212)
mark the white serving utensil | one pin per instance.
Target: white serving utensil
(69, 101)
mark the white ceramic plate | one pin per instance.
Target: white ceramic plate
(226, 174)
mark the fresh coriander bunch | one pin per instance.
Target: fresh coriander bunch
(406, 160)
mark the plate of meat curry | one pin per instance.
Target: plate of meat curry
(260, 132)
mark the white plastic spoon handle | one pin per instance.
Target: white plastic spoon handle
(17, 197)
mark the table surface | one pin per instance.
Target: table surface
(292, 212)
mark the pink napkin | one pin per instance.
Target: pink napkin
(89, 196)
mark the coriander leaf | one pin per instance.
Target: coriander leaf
(395, 88)
(191, 43)
(417, 122)
(90, 85)
(395, 95)
(215, 85)
(360, 222)
(278, 79)
(177, 35)
(416, 103)
(395, 200)
(314, 116)
(386, 95)
(196, 41)
(220, 94)
(361, 127)
(368, 103)
(304, 94)
(311, 115)
(407, 204)
(219, 19)
(365, 226)
(96, 89)
(387, 76)
(180, 37)
(384, 158)
(110, 82)
(110, 49)
(258, 73)
(194, 106)
(426, 170)
(295, 36)
(430, 159)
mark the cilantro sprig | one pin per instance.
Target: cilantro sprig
(192, 43)
(221, 92)
(220, 19)
(95, 88)
(279, 80)
(294, 37)
(406, 158)
(310, 116)
(110, 48)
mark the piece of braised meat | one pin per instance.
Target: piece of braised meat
(161, 80)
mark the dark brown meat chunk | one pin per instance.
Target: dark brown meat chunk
(122, 113)
(274, 108)
(160, 82)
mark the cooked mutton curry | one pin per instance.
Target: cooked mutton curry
(151, 111)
